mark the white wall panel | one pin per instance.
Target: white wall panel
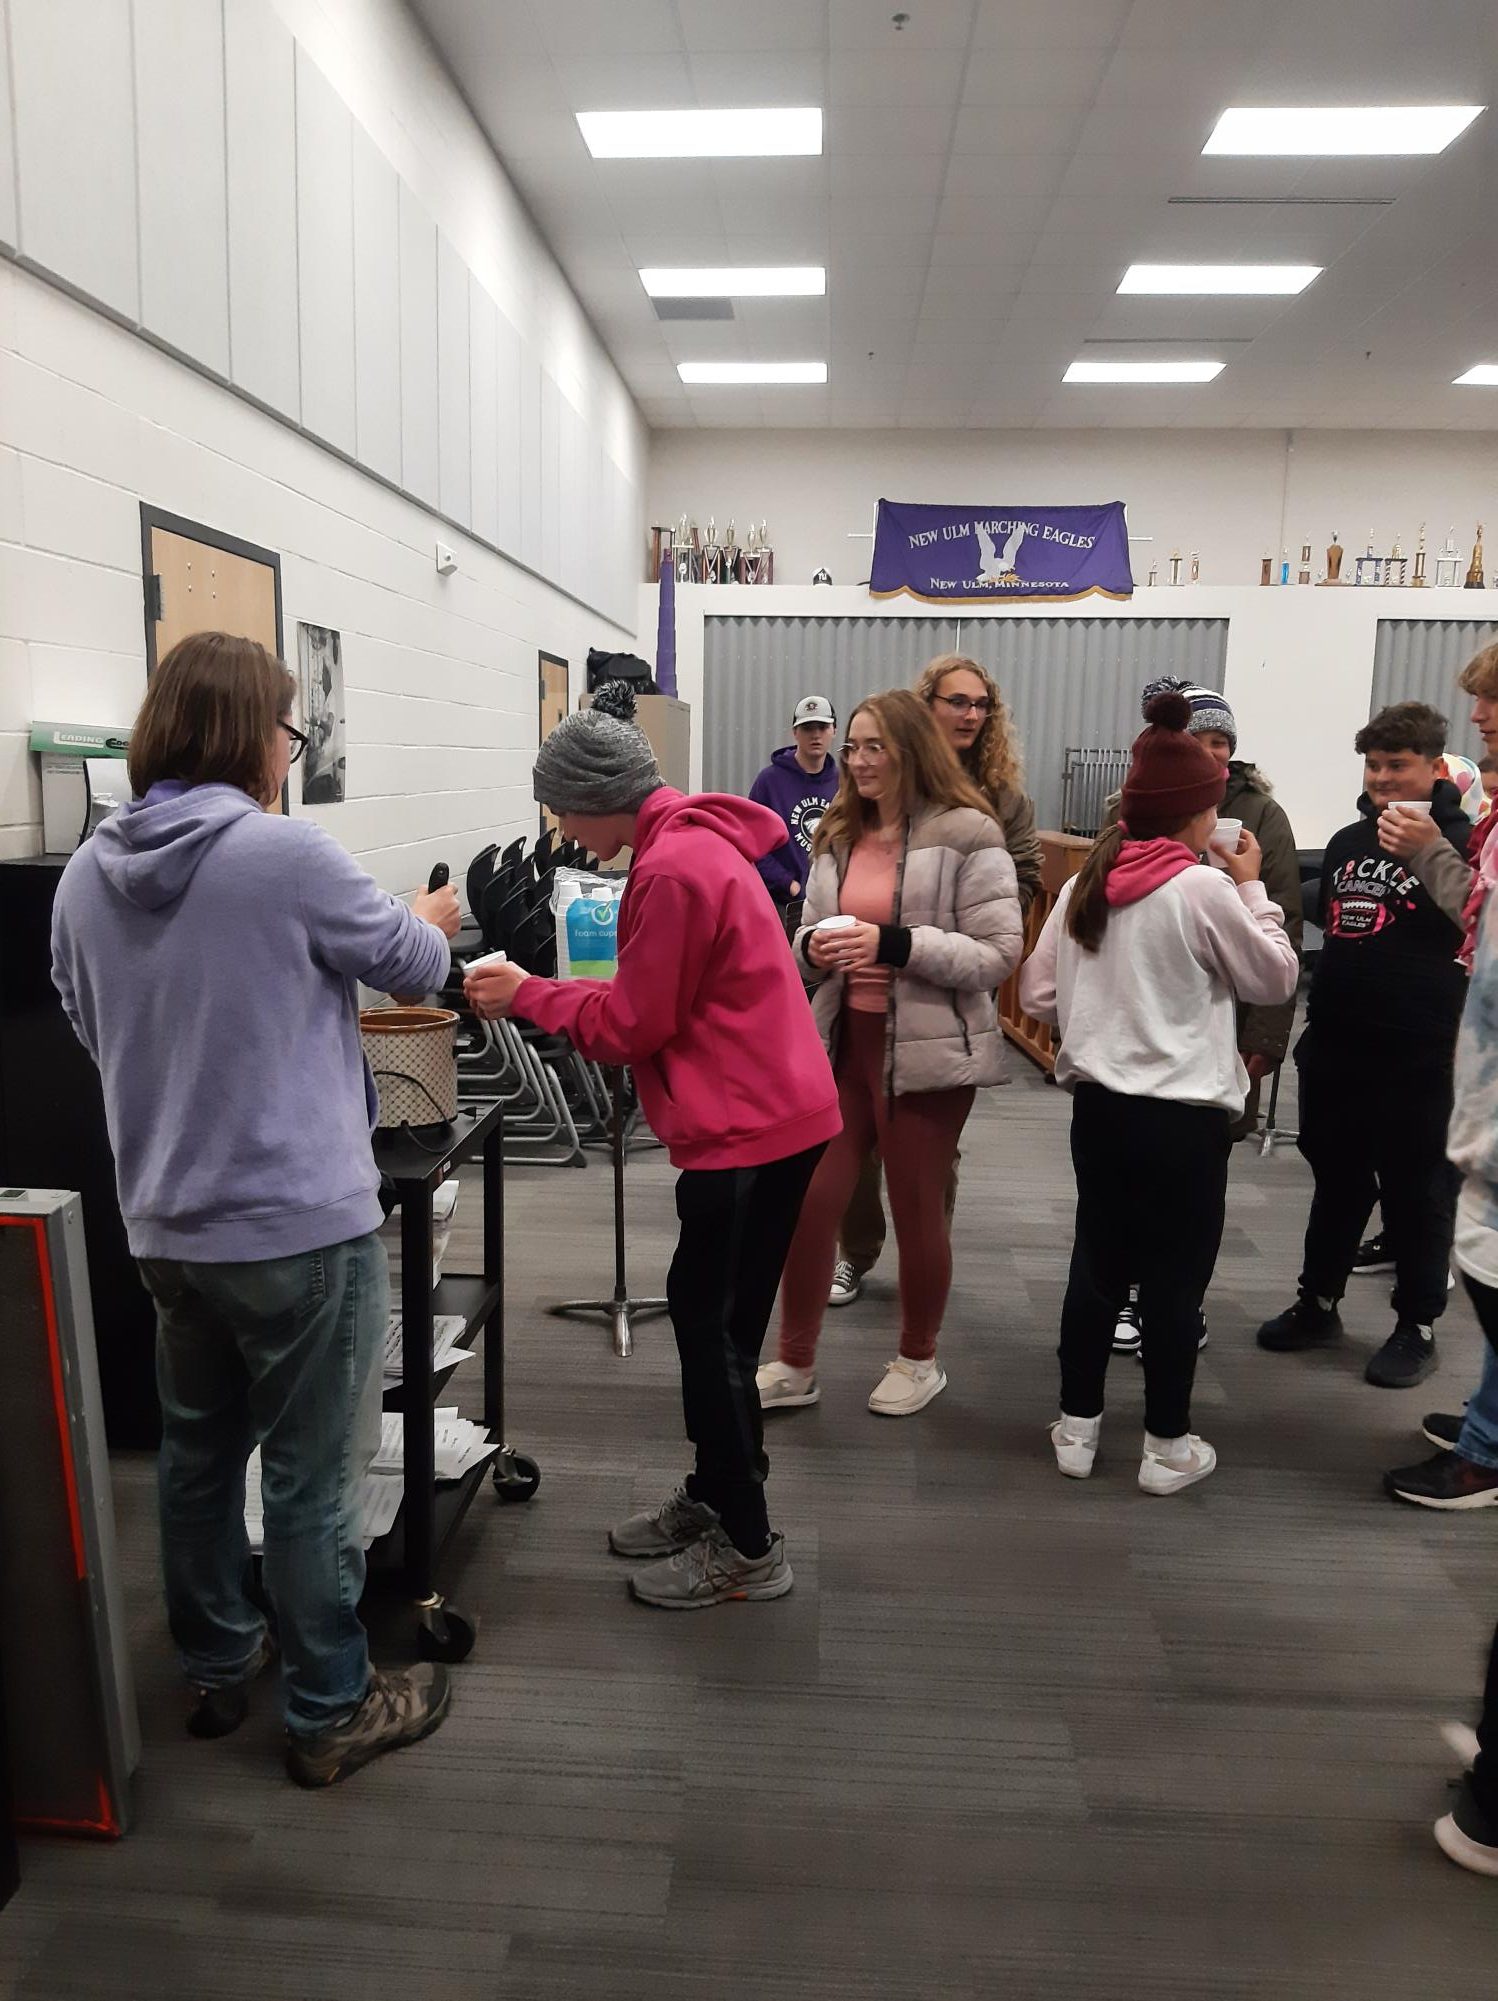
(551, 476)
(260, 104)
(325, 256)
(7, 141)
(483, 392)
(180, 147)
(418, 273)
(530, 454)
(507, 431)
(377, 309)
(75, 144)
(455, 482)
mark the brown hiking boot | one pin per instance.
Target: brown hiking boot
(400, 1709)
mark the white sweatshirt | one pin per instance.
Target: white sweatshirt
(1150, 1014)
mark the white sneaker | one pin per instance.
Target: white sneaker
(847, 1283)
(1076, 1440)
(906, 1387)
(1159, 1475)
(783, 1388)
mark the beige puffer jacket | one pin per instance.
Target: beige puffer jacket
(955, 891)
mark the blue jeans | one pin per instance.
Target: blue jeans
(1479, 1439)
(283, 1353)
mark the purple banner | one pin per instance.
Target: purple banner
(982, 555)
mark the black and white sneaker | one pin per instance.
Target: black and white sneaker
(1126, 1336)
(1406, 1358)
(1442, 1428)
(1373, 1256)
(1468, 1835)
(847, 1283)
(1138, 1350)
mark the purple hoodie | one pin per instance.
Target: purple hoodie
(800, 801)
(208, 956)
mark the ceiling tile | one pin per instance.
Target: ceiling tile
(897, 76)
(1050, 24)
(731, 25)
(625, 83)
(746, 79)
(644, 27)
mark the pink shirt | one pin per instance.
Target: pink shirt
(869, 893)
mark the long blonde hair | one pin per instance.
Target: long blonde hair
(923, 762)
(995, 760)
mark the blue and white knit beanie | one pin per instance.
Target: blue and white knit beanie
(1209, 711)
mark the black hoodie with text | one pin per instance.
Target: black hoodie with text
(1387, 970)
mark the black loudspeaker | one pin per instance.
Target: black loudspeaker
(52, 1135)
(69, 1726)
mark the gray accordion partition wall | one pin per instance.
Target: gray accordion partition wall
(1418, 660)
(1071, 683)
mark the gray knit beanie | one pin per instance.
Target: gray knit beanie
(596, 761)
(1210, 714)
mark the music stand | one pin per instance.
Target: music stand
(621, 1310)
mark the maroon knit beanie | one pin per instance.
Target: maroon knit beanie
(1172, 775)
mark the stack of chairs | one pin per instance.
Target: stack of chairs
(555, 1102)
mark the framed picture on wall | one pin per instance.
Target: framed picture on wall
(324, 768)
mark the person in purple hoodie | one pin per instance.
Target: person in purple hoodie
(209, 952)
(799, 783)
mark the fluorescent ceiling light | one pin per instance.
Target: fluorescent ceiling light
(727, 281)
(752, 371)
(700, 135)
(1143, 371)
(1226, 278)
(1341, 128)
(1484, 376)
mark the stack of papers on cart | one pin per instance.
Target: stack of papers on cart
(380, 1495)
(460, 1445)
(447, 1332)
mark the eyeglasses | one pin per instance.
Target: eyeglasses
(298, 742)
(962, 705)
(870, 747)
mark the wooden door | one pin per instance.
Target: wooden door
(553, 690)
(198, 580)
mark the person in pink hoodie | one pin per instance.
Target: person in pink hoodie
(1140, 965)
(708, 1010)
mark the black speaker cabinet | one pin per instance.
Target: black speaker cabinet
(52, 1135)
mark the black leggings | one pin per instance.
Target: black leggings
(736, 1227)
(1151, 1188)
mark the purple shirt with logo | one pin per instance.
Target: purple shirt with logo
(800, 801)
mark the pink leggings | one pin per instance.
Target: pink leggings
(917, 1139)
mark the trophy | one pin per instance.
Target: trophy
(730, 555)
(1153, 577)
(1266, 570)
(660, 552)
(1396, 566)
(1175, 566)
(714, 556)
(1303, 573)
(1196, 566)
(685, 548)
(1474, 568)
(1448, 564)
(1417, 581)
(756, 555)
(1333, 562)
(1369, 569)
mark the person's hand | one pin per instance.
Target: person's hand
(854, 947)
(439, 907)
(822, 950)
(1258, 1067)
(490, 990)
(1406, 834)
(795, 891)
(1245, 865)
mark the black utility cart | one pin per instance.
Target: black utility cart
(414, 1163)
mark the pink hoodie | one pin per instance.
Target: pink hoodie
(1143, 867)
(706, 1007)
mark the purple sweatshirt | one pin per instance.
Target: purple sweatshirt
(800, 801)
(208, 956)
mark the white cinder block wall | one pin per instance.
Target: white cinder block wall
(326, 233)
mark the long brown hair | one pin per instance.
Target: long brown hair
(921, 758)
(210, 715)
(995, 759)
(1087, 912)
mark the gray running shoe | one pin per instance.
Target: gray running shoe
(678, 1522)
(400, 1708)
(710, 1571)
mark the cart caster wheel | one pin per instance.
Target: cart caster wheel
(444, 1634)
(516, 1478)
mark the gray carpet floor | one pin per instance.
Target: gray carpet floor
(1010, 1736)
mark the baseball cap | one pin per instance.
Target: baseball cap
(812, 709)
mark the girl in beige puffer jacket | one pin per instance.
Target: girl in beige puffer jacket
(913, 855)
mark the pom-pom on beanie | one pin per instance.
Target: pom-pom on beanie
(596, 761)
(1210, 714)
(1171, 776)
